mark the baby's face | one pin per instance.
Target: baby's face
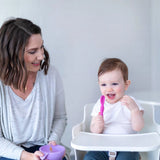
(112, 86)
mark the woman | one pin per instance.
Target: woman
(32, 107)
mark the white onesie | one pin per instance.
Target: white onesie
(117, 117)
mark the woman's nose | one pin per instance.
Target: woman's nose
(40, 55)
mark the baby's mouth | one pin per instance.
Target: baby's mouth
(111, 96)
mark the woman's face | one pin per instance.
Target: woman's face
(34, 53)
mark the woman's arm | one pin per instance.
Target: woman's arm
(7, 148)
(59, 121)
(31, 156)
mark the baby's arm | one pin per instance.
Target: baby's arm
(136, 114)
(97, 124)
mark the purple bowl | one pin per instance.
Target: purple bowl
(57, 152)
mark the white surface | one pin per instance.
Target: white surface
(135, 142)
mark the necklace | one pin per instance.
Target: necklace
(29, 87)
(30, 82)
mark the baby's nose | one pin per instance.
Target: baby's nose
(109, 88)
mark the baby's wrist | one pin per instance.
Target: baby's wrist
(135, 110)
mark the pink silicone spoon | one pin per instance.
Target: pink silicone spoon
(102, 100)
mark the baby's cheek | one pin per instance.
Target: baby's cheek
(102, 90)
(120, 89)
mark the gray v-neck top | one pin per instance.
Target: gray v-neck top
(24, 112)
(40, 118)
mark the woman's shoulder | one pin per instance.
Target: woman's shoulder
(2, 86)
(52, 68)
(3, 92)
(51, 76)
(52, 71)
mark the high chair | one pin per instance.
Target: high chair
(146, 142)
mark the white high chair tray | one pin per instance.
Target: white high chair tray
(143, 142)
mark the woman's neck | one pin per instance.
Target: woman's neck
(28, 88)
(30, 81)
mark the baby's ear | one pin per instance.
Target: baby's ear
(127, 83)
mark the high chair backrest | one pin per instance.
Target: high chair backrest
(87, 116)
(150, 124)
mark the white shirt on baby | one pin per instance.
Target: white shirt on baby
(117, 117)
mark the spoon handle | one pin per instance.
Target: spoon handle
(102, 99)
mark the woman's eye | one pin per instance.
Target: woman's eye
(114, 84)
(32, 52)
(103, 84)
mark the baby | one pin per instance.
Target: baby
(122, 114)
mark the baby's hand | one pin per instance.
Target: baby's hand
(97, 124)
(130, 103)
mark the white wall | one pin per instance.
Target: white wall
(155, 43)
(79, 34)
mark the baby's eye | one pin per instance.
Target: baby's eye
(114, 84)
(103, 84)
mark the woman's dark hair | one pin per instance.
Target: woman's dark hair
(14, 37)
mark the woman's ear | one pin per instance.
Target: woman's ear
(127, 83)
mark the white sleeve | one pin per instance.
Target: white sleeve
(138, 104)
(60, 117)
(7, 148)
